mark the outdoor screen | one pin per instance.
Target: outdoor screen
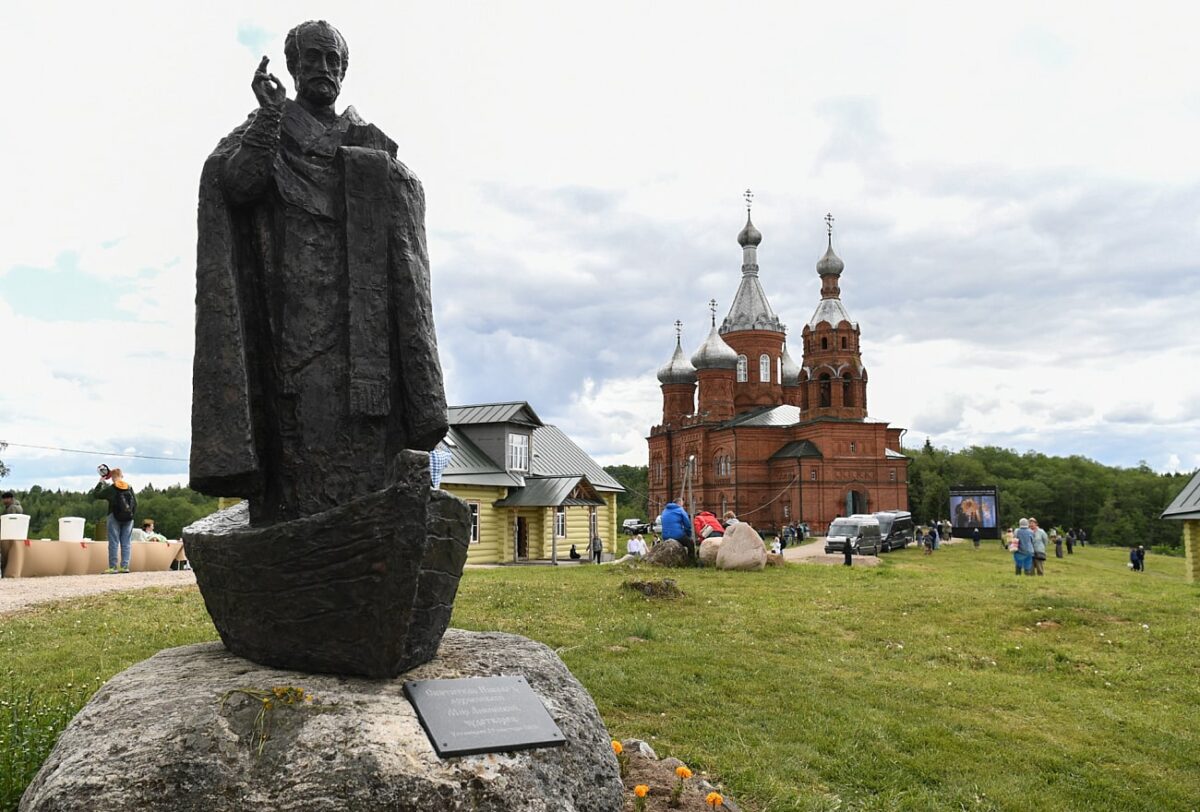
(974, 507)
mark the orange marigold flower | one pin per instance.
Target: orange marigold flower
(640, 790)
(683, 772)
(617, 748)
(714, 799)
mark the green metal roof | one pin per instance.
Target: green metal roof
(470, 466)
(555, 454)
(549, 492)
(1187, 504)
(517, 411)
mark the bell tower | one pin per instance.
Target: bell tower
(836, 382)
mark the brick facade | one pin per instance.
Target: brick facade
(775, 449)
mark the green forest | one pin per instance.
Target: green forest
(1118, 506)
(171, 508)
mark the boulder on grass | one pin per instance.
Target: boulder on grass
(708, 551)
(775, 560)
(667, 553)
(741, 549)
(188, 730)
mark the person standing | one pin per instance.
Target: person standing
(1058, 544)
(122, 504)
(1071, 542)
(975, 536)
(849, 552)
(1023, 555)
(10, 503)
(1141, 551)
(933, 531)
(1040, 539)
(597, 549)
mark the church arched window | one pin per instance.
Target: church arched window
(824, 343)
(742, 373)
(826, 394)
(764, 368)
(843, 342)
(847, 390)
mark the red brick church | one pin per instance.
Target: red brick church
(745, 428)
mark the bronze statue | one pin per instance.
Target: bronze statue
(316, 378)
(316, 358)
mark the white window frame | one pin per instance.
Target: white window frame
(764, 368)
(518, 452)
(593, 524)
(474, 508)
(743, 369)
(560, 522)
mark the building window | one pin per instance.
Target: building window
(786, 511)
(847, 390)
(764, 369)
(474, 508)
(824, 343)
(826, 396)
(518, 452)
(779, 369)
(812, 473)
(593, 525)
(853, 447)
(742, 374)
(724, 505)
(843, 342)
(892, 475)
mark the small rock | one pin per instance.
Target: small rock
(663, 588)
(639, 748)
(776, 560)
(708, 551)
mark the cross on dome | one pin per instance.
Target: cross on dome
(749, 198)
(712, 306)
(678, 328)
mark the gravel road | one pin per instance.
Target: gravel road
(18, 593)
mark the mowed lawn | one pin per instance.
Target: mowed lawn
(941, 682)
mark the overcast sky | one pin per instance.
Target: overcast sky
(1017, 194)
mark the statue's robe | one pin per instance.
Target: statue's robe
(316, 360)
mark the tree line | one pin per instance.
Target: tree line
(171, 508)
(1118, 506)
(1114, 505)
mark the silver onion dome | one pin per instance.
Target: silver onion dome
(714, 353)
(677, 370)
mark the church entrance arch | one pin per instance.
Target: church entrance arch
(856, 502)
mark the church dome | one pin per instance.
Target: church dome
(677, 370)
(830, 264)
(791, 370)
(749, 235)
(714, 353)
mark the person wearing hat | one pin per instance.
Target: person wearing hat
(1023, 555)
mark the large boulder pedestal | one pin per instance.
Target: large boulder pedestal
(184, 731)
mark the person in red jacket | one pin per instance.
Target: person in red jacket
(707, 526)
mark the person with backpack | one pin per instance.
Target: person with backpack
(122, 504)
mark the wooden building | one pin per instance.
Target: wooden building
(532, 491)
(746, 428)
(1186, 508)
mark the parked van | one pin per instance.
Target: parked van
(861, 531)
(895, 529)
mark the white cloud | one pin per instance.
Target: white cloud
(1025, 220)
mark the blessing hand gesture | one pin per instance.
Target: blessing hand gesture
(269, 91)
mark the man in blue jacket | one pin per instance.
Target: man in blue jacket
(676, 524)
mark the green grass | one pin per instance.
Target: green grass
(925, 683)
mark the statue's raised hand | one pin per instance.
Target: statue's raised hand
(269, 91)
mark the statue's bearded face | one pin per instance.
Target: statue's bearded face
(320, 66)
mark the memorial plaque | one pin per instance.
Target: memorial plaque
(464, 717)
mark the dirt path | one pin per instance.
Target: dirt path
(813, 552)
(18, 593)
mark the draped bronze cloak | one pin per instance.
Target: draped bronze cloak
(316, 360)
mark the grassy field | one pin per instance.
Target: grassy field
(939, 682)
